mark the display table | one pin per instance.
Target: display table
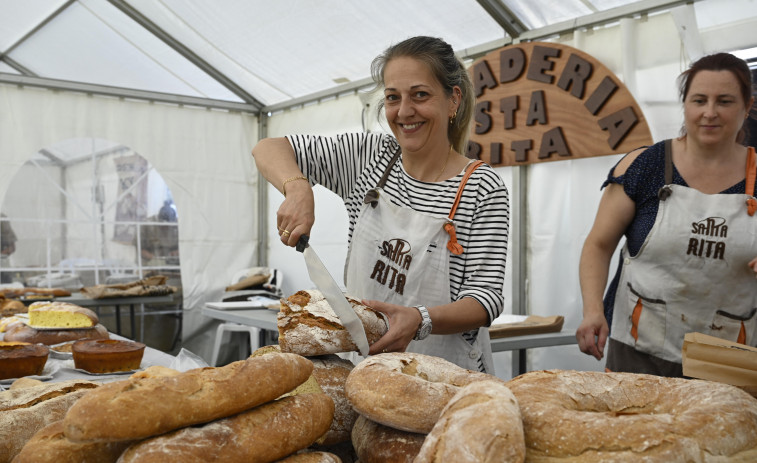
(265, 319)
(63, 369)
(132, 303)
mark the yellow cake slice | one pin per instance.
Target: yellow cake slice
(61, 315)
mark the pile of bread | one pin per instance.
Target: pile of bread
(395, 407)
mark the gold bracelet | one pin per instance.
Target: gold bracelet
(284, 185)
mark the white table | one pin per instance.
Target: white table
(265, 319)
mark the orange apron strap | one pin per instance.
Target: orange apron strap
(453, 246)
(751, 173)
(742, 335)
(635, 320)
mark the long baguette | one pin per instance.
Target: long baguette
(24, 411)
(49, 445)
(138, 408)
(264, 434)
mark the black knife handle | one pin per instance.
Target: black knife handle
(302, 243)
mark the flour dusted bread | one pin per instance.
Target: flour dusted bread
(376, 443)
(26, 410)
(312, 457)
(140, 407)
(263, 434)
(597, 417)
(308, 325)
(61, 315)
(480, 424)
(49, 445)
(331, 372)
(406, 390)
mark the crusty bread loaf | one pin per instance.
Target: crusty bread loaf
(23, 333)
(406, 390)
(308, 325)
(49, 445)
(266, 433)
(312, 457)
(61, 315)
(137, 408)
(10, 307)
(24, 411)
(480, 424)
(596, 417)
(376, 443)
(21, 383)
(331, 372)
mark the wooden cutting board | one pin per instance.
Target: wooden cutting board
(533, 324)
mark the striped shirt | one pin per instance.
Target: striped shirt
(352, 164)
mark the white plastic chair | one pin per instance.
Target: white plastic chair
(272, 289)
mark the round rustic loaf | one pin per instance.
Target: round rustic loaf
(331, 372)
(481, 424)
(308, 325)
(405, 390)
(595, 417)
(23, 333)
(376, 443)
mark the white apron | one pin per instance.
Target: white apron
(691, 274)
(400, 256)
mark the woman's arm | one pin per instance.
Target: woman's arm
(274, 158)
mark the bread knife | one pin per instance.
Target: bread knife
(325, 283)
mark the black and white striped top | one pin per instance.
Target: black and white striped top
(351, 164)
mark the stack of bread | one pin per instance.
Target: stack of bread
(244, 411)
(54, 323)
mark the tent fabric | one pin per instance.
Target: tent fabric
(204, 157)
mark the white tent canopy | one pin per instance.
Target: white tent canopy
(191, 85)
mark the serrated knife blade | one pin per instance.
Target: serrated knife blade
(325, 283)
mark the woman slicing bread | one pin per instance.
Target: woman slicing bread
(688, 213)
(433, 263)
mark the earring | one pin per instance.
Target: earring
(452, 119)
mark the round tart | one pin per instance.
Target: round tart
(19, 359)
(107, 355)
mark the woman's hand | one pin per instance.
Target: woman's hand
(296, 214)
(753, 266)
(403, 324)
(592, 334)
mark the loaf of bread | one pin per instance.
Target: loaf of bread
(24, 411)
(137, 408)
(263, 434)
(19, 359)
(480, 424)
(23, 333)
(61, 315)
(49, 445)
(376, 443)
(107, 355)
(10, 307)
(312, 457)
(406, 390)
(308, 325)
(331, 372)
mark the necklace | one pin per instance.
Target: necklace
(449, 155)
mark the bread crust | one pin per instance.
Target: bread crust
(266, 433)
(480, 424)
(21, 332)
(593, 417)
(139, 407)
(407, 390)
(308, 325)
(376, 443)
(26, 410)
(49, 445)
(331, 372)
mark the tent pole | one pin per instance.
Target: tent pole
(262, 189)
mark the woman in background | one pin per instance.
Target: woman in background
(432, 262)
(689, 263)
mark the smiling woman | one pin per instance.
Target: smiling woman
(687, 209)
(443, 286)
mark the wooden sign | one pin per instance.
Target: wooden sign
(538, 102)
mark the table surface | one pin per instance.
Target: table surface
(265, 318)
(62, 369)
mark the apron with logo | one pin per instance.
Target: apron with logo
(691, 274)
(401, 256)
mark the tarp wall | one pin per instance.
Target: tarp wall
(203, 155)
